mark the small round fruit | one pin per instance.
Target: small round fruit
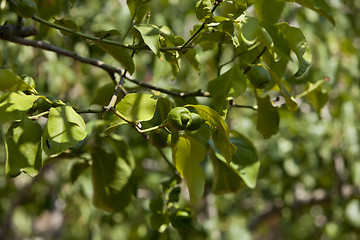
(178, 118)
(259, 76)
(26, 8)
(159, 138)
(195, 122)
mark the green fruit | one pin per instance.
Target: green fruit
(178, 118)
(259, 76)
(26, 8)
(159, 138)
(194, 123)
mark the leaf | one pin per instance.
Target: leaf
(137, 107)
(192, 57)
(77, 169)
(150, 34)
(111, 177)
(249, 29)
(245, 160)
(269, 10)
(318, 97)
(298, 44)
(68, 23)
(23, 148)
(120, 54)
(319, 6)
(230, 84)
(187, 153)
(103, 94)
(267, 117)
(10, 81)
(203, 10)
(14, 105)
(289, 98)
(220, 131)
(138, 9)
(63, 130)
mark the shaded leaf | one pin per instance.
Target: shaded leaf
(120, 54)
(187, 153)
(14, 105)
(267, 117)
(269, 10)
(203, 10)
(220, 131)
(68, 23)
(103, 94)
(111, 177)
(230, 84)
(63, 130)
(77, 169)
(138, 9)
(137, 107)
(23, 148)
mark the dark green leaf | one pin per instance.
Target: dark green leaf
(230, 84)
(120, 54)
(103, 95)
(158, 221)
(203, 10)
(267, 117)
(23, 148)
(64, 129)
(77, 169)
(68, 23)
(269, 10)
(187, 153)
(220, 131)
(138, 9)
(111, 177)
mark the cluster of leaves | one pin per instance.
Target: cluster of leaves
(224, 25)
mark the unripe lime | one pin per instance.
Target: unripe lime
(26, 8)
(159, 138)
(178, 118)
(195, 122)
(259, 76)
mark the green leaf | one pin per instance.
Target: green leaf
(10, 81)
(230, 84)
(120, 54)
(111, 177)
(136, 107)
(150, 34)
(187, 153)
(319, 6)
(267, 117)
(103, 94)
(203, 10)
(220, 131)
(77, 169)
(121, 149)
(289, 98)
(245, 160)
(318, 97)
(68, 23)
(14, 105)
(63, 130)
(249, 29)
(192, 57)
(23, 148)
(298, 44)
(269, 10)
(243, 168)
(138, 9)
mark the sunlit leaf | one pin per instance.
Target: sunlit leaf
(229, 84)
(136, 107)
(138, 9)
(150, 34)
(63, 130)
(10, 81)
(23, 148)
(203, 10)
(267, 118)
(14, 105)
(220, 130)
(187, 153)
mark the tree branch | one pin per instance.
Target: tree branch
(5, 35)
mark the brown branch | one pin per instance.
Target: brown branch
(5, 35)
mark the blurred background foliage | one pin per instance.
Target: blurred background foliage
(309, 181)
